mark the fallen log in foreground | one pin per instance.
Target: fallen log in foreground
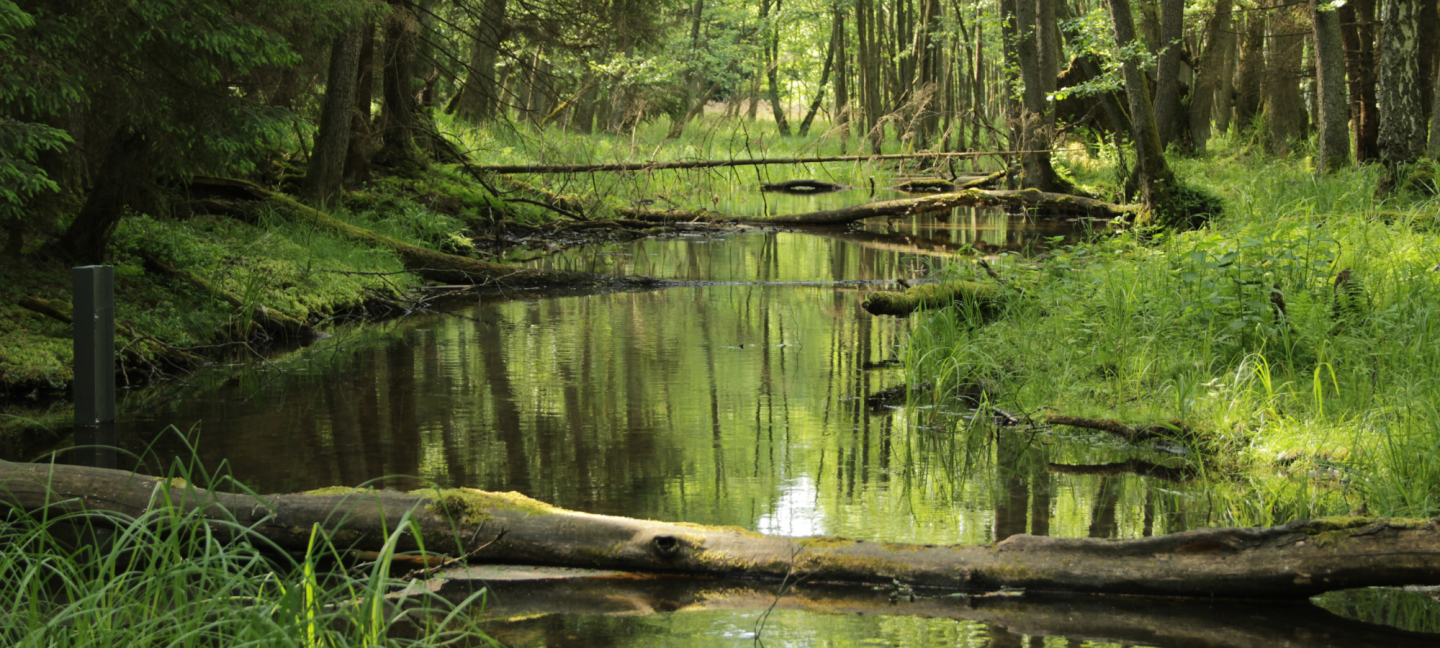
(521, 598)
(1295, 560)
(714, 164)
(932, 295)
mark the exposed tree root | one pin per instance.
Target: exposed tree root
(1295, 560)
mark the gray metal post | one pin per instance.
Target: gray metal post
(94, 290)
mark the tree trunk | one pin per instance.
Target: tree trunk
(480, 95)
(831, 51)
(361, 142)
(1357, 30)
(327, 162)
(1285, 114)
(1225, 100)
(1047, 36)
(1169, 111)
(1207, 80)
(398, 116)
(1402, 118)
(121, 183)
(842, 77)
(1157, 182)
(1252, 69)
(772, 66)
(1333, 142)
(1292, 561)
(1038, 173)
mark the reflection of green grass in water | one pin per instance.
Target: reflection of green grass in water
(1347, 382)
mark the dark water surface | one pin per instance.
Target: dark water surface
(733, 404)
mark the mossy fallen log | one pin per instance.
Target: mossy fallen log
(272, 321)
(1295, 560)
(433, 265)
(985, 297)
(133, 348)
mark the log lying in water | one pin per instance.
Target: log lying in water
(715, 164)
(932, 295)
(803, 187)
(1294, 560)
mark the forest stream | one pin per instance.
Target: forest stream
(738, 400)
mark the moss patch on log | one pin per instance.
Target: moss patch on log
(934, 295)
(471, 506)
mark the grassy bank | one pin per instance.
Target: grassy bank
(167, 578)
(230, 266)
(1299, 336)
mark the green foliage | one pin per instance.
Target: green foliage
(171, 578)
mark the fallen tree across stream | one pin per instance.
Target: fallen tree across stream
(504, 169)
(928, 296)
(1295, 560)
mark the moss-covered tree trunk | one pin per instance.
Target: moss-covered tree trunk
(1295, 560)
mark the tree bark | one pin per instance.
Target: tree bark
(1293, 561)
(481, 95)
(842, 77)
(398, 116)
(1402, 119)
(361, 142)
(772, 66)
(1357, 31)
(1038, 173)
(1333, 142)
(1208, 79)
(1157, 182)
(1169, 111)
(122, 182)
(327, 161)
(831, 51)
(1285, 115)
(1252, 68)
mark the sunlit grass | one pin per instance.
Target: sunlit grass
(1314, 412)
(175, 578)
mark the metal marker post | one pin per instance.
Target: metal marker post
(94, 290)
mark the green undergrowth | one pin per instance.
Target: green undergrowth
(170, 578)
(1316, 408)
(266, 260)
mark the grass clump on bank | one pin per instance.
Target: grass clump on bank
(169, 578)
(1300, 335)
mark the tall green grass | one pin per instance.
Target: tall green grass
(1312, 412)
(173, 578)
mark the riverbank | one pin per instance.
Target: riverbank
(1292, 347)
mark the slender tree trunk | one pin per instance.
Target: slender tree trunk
(772, 66)
(1225, 100)
(1169, 112)
(1252, 68)
(830, 54)
(1285, 114)
(694, 102)
(1402, 117)
(327, 162)
(1038, 173)
(842, 75)
(1157, 182)
(1434, 148)
(1429, 29)
(1048, 38)
(480, 95)
(398, 116)
(1333, 143)
(1207, 79)
(361, 145)
(1357, 31)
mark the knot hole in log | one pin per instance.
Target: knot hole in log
(665, 545)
